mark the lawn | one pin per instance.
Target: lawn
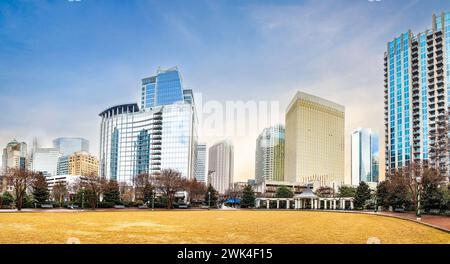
(213, 226)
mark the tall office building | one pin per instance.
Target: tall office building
(221, 166)
(200, 164)
(63, 166)
(164, 88)
(314, 141)
(364, 156)
(68, 146)
(417, 94)
(160, 135)
(269, 154)
(45, 160)
(14, 156)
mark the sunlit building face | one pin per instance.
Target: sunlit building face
(159, 136)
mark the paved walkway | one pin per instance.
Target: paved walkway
(437, 221)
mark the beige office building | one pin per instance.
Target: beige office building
(83, 163)
(314, 146)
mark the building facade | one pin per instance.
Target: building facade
(14, 156)
(314, 144)
(83, 163)
(269, 154)
(159, 136)
(221, 166)
(45, 160)
(416, 95)
(68, 146)
(200, 164)
(364, 156)
(63, 165)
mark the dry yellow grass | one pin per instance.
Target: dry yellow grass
(211, 227)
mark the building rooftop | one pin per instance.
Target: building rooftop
(314, 99)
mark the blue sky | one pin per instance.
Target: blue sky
(62, 62)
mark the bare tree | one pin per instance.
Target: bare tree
(235, 191)
(196, 190)
(126, 192)
(59, 192)
(169, 182)
(21, 180)
(93, 186)
(141, 184)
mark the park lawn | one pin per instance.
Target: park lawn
(215, 226)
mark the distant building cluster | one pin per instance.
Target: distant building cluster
(67, 157)
(160, 131)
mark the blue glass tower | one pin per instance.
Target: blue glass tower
(416, 95)
(162, 89)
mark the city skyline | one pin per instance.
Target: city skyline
(204, 68)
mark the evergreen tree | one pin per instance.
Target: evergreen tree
(214, 196)
(362, 195)
(8, 199)
(111, 194)
(40, 190)
(382, 194)
(248, 197)
(432, 197)
(346, 191)
(284, 192)
(148, 192)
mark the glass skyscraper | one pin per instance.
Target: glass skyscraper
(221, 166)
(314, 148)
(269, 154)
(417, 94)
(68, 146)
(364, 156)
(162, 89)
(161, 134)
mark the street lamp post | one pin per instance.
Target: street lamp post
(376, 204)
(209, 200)
(418, 209)
(82, 199)
(153, 200)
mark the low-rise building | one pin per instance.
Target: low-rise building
(269, 188)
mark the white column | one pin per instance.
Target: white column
(278, 204)
(295, 204)
(325, 204)
(351, 204)
(287, 204)
(334, 204)
(267, 203)
(257, 203)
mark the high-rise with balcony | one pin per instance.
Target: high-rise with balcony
(314, 141)
(364, 156)
(269, 154)
(200, 164)
(162, 134)
(417, 94)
